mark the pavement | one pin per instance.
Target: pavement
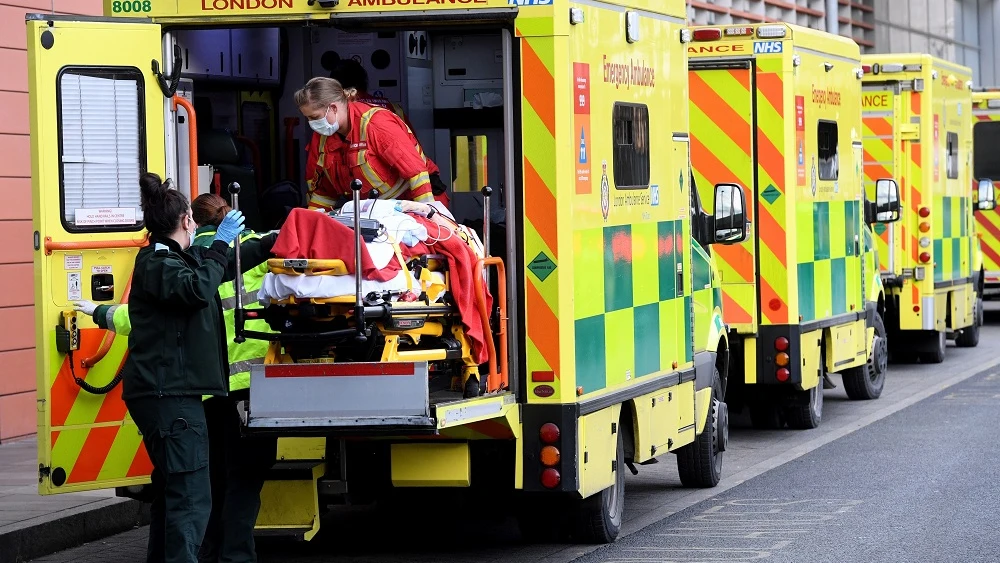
(32, 525)
(464, 532)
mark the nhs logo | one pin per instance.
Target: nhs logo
(529, 2)
(766, 47)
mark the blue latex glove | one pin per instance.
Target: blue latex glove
(231, 227)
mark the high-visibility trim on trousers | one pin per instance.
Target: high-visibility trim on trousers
(230, 302)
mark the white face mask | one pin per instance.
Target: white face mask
(324, 127)
(191, 234)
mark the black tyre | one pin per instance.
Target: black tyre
(700, 462)
(598, 518)
(765, 415)
(866, 382)
(934, 345)
(808, 415)
(969, 337)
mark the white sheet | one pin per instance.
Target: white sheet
(282, 286)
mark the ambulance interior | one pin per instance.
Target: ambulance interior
(449, 82)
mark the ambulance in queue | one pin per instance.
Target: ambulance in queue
(606, 346)
(986, 168)
(918, 130)
(778, 107)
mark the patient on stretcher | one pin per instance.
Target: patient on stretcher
(406, 259)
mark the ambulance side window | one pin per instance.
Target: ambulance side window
(630, 125)
(101, 149)
(951, 165)
(828, 161)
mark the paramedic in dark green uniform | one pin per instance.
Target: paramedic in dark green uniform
(177, 354)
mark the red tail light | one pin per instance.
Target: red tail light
(781, 344)
(924, 212)
(550, 478)
(925, 257)
(783, 375)
(706, 34)
(549, 433)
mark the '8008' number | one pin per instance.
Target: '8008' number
(131, 6)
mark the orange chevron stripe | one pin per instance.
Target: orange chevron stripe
(713, 169)
(768, 295)
(915, 296)
(540, 208)
(771, 85)
(543, 327)
(54, 437)
(916, 155)
(989, 226)
(141, 464)
(880, 126)
(880, 171)
(540, 87)
(771, 160)
(93, 455)
(915, 102)
(732, 312)
(773, 236)
(992, 255)
(723, 116)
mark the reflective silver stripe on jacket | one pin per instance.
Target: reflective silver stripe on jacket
(230, 302)
(244, 365)
(109, 318)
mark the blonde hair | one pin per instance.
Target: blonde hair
(322, 91)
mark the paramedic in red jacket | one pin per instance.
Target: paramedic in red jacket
(357, 141)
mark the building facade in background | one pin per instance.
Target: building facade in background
(961, 31)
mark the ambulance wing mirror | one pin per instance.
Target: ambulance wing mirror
(729, 223)
(886, 208)
(987, 198)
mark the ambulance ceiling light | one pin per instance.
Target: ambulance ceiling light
(796, 60)
(934, 74)
(891, 67)
(575, 16)
(993, 104)
(685, 35)
(771, 31)
(707, 34)
(739, 31)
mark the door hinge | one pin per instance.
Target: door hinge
(670, 443)
(909, 132)
(43, 472)
(614, 427)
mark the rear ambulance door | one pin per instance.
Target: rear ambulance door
(96, 115)
(722, 148)
(986, 165)
(879, 105)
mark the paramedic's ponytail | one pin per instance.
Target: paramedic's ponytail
(162, 206)
(321, 92)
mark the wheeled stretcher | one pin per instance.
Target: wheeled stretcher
(373, 353)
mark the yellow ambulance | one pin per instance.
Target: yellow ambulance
(918, 130)
(986, 167)
(610, 350)
(777, 107)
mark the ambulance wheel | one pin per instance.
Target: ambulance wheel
(969, 338)
(700, 462)
(598, 518)
(806, 416)
(765, 415)
(866, 382)
(933, 349)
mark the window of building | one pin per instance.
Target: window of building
(951, 166)
(101, 148)
(829, 162)
(631, 146)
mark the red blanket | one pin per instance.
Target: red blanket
(317, 236)
(461, 267)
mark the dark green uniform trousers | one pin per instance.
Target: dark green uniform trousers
(239, 466)
(175, 434)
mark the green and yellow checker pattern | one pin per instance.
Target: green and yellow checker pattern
(828, 262)
(952, 248)
(632, 315)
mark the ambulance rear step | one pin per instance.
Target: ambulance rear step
(340, 398)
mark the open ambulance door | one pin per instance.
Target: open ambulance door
(96, 115)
